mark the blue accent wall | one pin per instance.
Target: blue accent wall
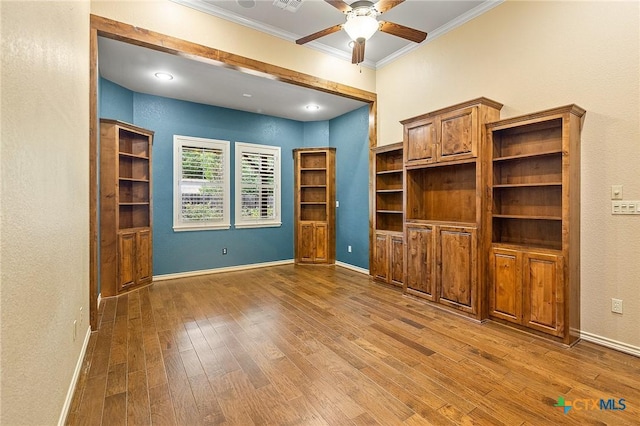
(175, 252)
(316, 134)
(197, 250)
(115, 101)
(349, 133)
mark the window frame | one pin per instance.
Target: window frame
(189, 141)
(276, 221)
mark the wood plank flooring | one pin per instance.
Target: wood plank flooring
(323, 345)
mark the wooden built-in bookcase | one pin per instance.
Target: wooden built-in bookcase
(388, 244)
(125, 207)
(314, 205)
(444, 175)
(534, 222)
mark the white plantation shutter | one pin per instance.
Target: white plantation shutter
(201, 174)
(257, 185)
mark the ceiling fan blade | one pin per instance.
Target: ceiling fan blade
(340, 5)
(403, 32)
(319, 34)
(384, 5)
(357, 55)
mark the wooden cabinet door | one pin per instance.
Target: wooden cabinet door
(321, 246)
(420, 138)
(396, 265)
(306, 242)
(543, 293)
(421, 260)
(127, 272)
(457, 267)
(459, 134)
(505, 284)
(381, 257)
(143, 256)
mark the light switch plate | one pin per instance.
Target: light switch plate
(616, 192)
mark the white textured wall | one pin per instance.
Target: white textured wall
(532, 56)
(44, 242)
(189, 24)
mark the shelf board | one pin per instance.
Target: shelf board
(133, 179)
(527, 185)
(389, 191)
(129, 155)
(550, 247)
(388, 172)
(526, 217)
(441, 222)
(389, 211)
(439, 164)
(309, 203)
(313, 186)
(530, 155)
(140, 203)
(313, 169)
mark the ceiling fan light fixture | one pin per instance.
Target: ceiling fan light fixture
(361, 26)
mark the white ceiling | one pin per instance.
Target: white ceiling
(134, 67)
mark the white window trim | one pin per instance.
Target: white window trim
(264, 149)
(178, 143)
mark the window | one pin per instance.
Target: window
(201, 184)
(257, 185)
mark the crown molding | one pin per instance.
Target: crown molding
(205, 7)
(449, 26)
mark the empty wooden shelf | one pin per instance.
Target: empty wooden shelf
(534, 222)
(125, 207)
(314, 205)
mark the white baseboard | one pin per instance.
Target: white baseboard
(219, 270)
(353, 267)
(74, 380)
(610, 343)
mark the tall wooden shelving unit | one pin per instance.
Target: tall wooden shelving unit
(534, 222)
(388, 244)
(314, 205)
(444, 176)
(125, 207)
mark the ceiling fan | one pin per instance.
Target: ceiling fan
(362, 23)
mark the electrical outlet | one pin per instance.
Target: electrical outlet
(616, 306)
(224, 250)
(349, 249)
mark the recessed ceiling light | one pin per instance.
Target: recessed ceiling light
(247, 4)
(312, 107)
(247, 95)
(163, 76)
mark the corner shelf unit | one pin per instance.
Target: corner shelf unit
(534, 221)
(125, 207)
(388, 244)
(314, 203)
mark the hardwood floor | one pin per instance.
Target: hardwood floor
(298, 345)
